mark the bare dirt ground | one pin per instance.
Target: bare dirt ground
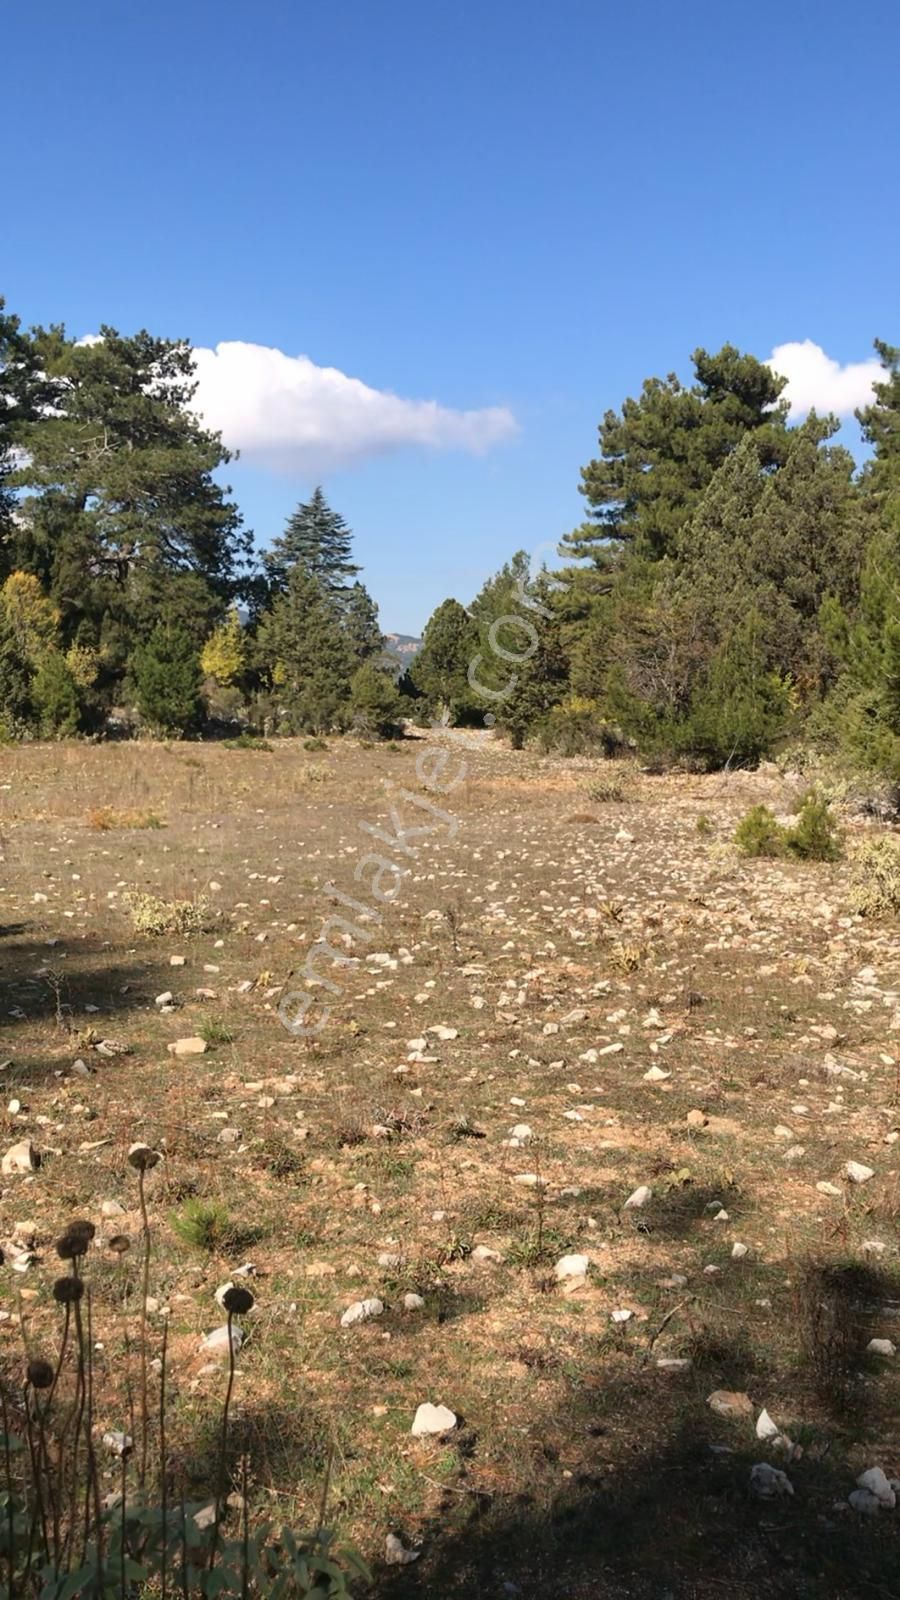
(565, 946)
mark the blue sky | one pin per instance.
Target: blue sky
(517, 210)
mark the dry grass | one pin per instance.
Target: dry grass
(576, 1454)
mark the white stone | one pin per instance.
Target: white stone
(413, 1302)
(361, 1311)
(571, 1267)
(875, 1481)
(857, 1173)
(769, 1483)
(881, 1347)
(639, 1198)
(194, 1046)
(395, 1555)
(739, 1251)
(21, 1157)
(217, 1341)
(432, 1420)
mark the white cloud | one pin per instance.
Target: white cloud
(284, 411)
(816, 381)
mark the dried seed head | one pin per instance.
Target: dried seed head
(40, 1373)
(237, 1301)
(142, 1158)
(66, 1291)
(82, 1230)
(119, 1243)
(68, 1248)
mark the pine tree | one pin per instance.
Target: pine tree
(440, 671)
(658, 454)
(16, 677)
(318, 539)
(360, 618)
(303, 649)
(166, 675)
(376, 706)
(121, 516)
(55, 697)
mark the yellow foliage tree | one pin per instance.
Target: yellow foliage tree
(224, 655)
(34, 619)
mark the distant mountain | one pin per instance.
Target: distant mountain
(402, 645)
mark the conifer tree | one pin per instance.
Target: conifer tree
(318, 539)
(440, 671)
(303, 649)
(166, 675)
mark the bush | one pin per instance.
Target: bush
(315, 743)
(167, 678)
(376, 708)
(577, 728)
(204, 1224)
(875, 880)
(151, 915)
(759, 834)
(247, 741)
(814, 836)
(103, 819)
(55, 697)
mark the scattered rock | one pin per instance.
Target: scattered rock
(432, 1420)
(395, 1555)
(216, 1342)
(881, 1347)
(639, 1198)
(769, 1483)
(194, 1046)
(730, 1403)
(362, 1311)
(21, 1157)
(875, 1482)
(857, 1173)
(571, 1267)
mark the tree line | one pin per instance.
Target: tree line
(735, 583)
(128, 581)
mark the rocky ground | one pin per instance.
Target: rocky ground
(598, 1152)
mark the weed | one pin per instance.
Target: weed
(205, 1224)
(214, 1031)
(248, 741)
(831, 1297)
(278, 1157)
(814, 836)
(759, 833)
(103, 819)
(704, 825)
(875, 878)
(151, 915)
(315, 743)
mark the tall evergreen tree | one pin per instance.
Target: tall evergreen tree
(304, 651)
(440, 671)
(166, 673)
(658, 454)
(318, 539)
(119, 504)
(360, 619)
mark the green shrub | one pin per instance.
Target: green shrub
(375, 705)
(759, 834)
(55, 697)
(167, 679)
(577, 728)
(205, 1224)
(315, 743)
(814, 836)
(875, 878)
(704, 825)
(247, 741)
